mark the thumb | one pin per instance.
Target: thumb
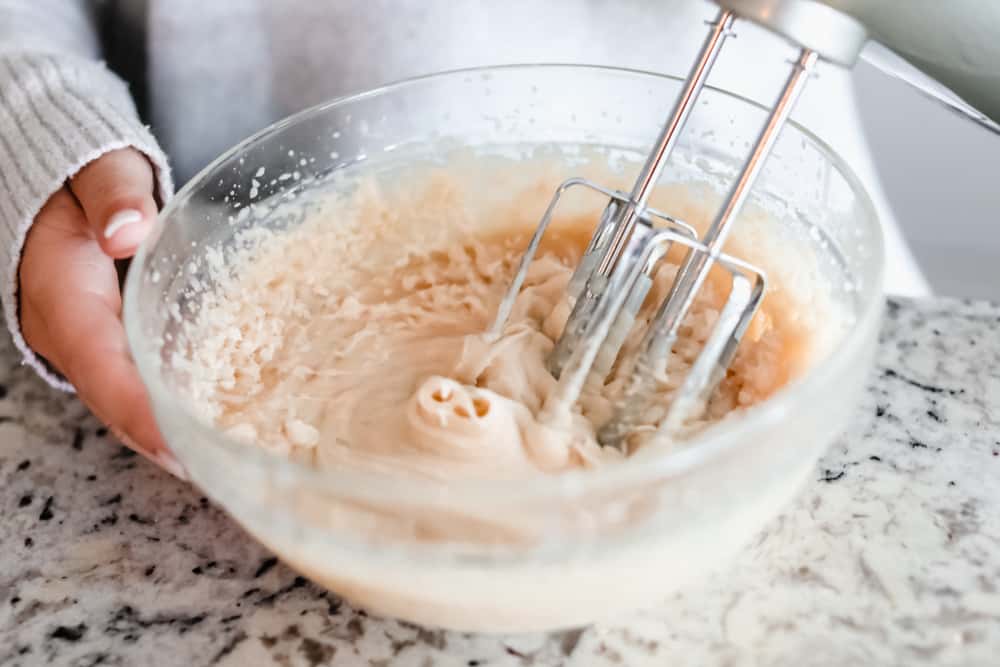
(116, 194)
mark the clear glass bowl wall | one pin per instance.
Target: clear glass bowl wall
(669, 519)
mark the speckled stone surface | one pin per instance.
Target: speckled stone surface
(890, 556)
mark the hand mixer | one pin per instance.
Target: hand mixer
(615, 273)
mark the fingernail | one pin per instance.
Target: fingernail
(171, 465)
(121, 219)
(163, 458)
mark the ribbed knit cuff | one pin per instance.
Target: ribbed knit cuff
(57, 114)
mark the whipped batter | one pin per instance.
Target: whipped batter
(356, 338)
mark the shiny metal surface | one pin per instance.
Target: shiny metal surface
(614, 275)
(652, 362)
(834, 35)
(616, 271)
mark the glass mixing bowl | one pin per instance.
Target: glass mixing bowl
(601, 542)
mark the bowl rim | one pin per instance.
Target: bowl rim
(716, 441)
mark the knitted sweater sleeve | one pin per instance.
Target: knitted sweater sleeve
(60, 108)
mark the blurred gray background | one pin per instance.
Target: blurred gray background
(941, 175)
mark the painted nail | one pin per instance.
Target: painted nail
(122, 219)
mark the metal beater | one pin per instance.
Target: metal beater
(616, 271)
(957, 40)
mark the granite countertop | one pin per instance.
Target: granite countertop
(891, 555)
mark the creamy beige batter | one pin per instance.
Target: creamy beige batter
(356, 338)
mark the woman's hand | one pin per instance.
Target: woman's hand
(70, 301)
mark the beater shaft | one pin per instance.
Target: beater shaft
(657, 160)
(652, 362)
(614, 233)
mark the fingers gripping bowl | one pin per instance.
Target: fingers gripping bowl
(501, 552)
